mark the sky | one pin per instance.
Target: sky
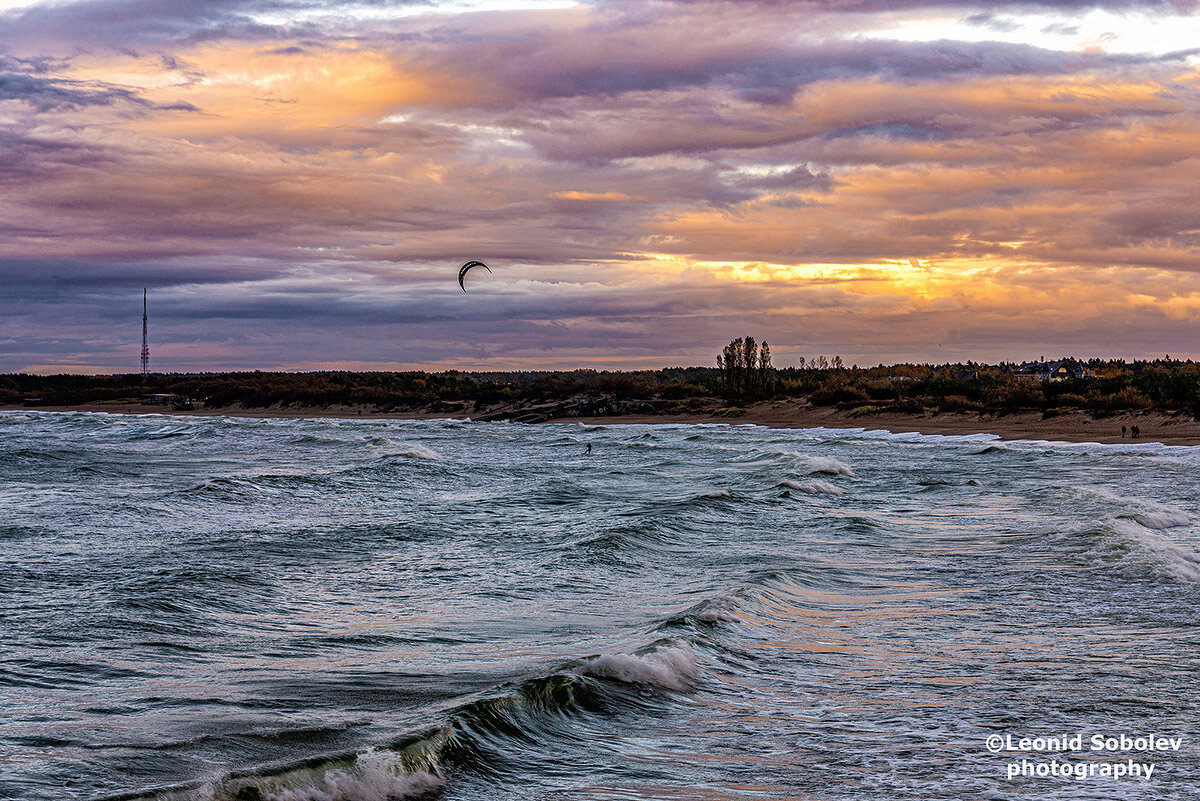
(297, 182)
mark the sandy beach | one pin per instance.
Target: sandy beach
(789, 413)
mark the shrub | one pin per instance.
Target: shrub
(1120, 401)
(1071, 401)
(1014, 396)
(680, 391)
(882, 390)
(959, 403)
(906, 406)
(834, 392)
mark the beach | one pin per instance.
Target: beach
(1075, 426)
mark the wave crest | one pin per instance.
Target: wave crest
(405, 450)
(813, 487)
(671, 666)
(375, 776)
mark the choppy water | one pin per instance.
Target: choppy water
(306, 610)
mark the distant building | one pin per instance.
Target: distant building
(160, 399)
(1062, 370)
(168, 399)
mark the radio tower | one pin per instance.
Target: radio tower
(145, 342)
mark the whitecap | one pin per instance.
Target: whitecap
(1173, 558)
(824, 464)
(405, 450)
(668, 667)
(1160, 520)
(375, 776)
(813, 487)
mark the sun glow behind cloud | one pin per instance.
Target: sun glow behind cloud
(1094, 29)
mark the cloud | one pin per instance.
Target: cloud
(877, 6)
(297, 183)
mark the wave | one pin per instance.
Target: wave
(375, 774)
(813, 487)
(1147, 513)
(796, 461)
(827, 465)
(1174, 559)
(404, 450)
(479, 735)
(724, 608)
(255, 486)
(1159, 520)
(1133, 542)
(608, 543)
(668, 666)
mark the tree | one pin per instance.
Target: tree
(746, 372)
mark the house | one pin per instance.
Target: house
(1061, 370)
(160, 399)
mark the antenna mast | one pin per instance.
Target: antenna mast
(145, 342)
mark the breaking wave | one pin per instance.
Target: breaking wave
(404, 450)
(375, 776)
(474, 736)
(813, 487)
(669, 666)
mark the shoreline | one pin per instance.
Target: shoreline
(1077, 427)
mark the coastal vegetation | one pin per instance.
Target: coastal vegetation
(746, 372)
(744, 375)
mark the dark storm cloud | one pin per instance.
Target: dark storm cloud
(20, 277)
(134, 24)
(56, 94)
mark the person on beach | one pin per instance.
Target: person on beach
(1122, 432)
(1135, 432)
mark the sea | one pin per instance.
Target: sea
(226, 609)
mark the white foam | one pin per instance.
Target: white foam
(669, 667)
(376, 776)
(1160, 520)
(405, 450)
(825, 464)
(1175, 559)
(1144, 511)
(720, 609)
(813, 487)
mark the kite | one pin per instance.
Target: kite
(462, 271)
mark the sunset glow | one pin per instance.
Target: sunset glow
(297, 188)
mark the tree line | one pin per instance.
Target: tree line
(743, 374)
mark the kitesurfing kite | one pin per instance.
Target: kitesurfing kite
(462, 271)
